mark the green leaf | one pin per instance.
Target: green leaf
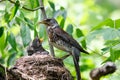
(1, 31)
(14, 10)
(37, 14)
(52, 5)
(3, 41)
(64, 12)
(6, 16)
(61, 12)
(117, 23)
(32, 3)
(79, 33)
(112, 42)
(105, 50)
(110, 33)
(70, 29)
(12, 41)
(62, 23)
(83, 42)
(25, 34)
(25, 20)
(107, 34)
(29, 23)
(108, 22)
(114, 54)
(11, 58)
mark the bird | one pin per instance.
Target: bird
(36, 47)
(63, 41)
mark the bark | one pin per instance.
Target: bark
(107, 68)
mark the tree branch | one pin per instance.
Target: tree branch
(45, 17)
(24, 6)
(107, 68)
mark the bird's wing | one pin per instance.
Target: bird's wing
(67, 38)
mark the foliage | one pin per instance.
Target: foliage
(89, 22)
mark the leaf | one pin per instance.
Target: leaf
(29, 23)
(107, 34)
(3, 41)
(105, 50)
(61, 12)
(64, 12)
(62, 23)
(6, 16)
(14, 10)
(114, 54)
(52, 5)
(110, 33)
(32, 3)
(70, 29)
(117, 23)
(12, 41)
(25, 34)
(57, 13)
(83, 42)
(11, 58)
(1, 31)
(36, 18)
(25, 20)
(112, 42)
(108, 22)
(79, 33)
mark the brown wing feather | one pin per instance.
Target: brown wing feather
(69, 39)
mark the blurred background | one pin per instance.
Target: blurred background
(95, 24)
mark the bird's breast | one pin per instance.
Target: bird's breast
(62, 45)
(58, 42)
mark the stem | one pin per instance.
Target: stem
(45, 17)
(23, 6)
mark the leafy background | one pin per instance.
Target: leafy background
(95, 24)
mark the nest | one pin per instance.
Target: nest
(39, 67)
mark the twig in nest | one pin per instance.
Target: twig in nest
(40, 67)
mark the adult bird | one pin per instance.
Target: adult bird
(63, 41)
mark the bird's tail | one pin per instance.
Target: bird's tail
(84, 51)
(76, 54)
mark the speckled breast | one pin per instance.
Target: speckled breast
(57, 42)
(62, 45)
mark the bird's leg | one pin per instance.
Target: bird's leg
(75, 55)
(64, 57)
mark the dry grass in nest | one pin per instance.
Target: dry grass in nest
(40, 67)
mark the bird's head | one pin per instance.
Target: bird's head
(37, 42)
(49, 22)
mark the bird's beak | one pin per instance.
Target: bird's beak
(41, 39)
(42, 22)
